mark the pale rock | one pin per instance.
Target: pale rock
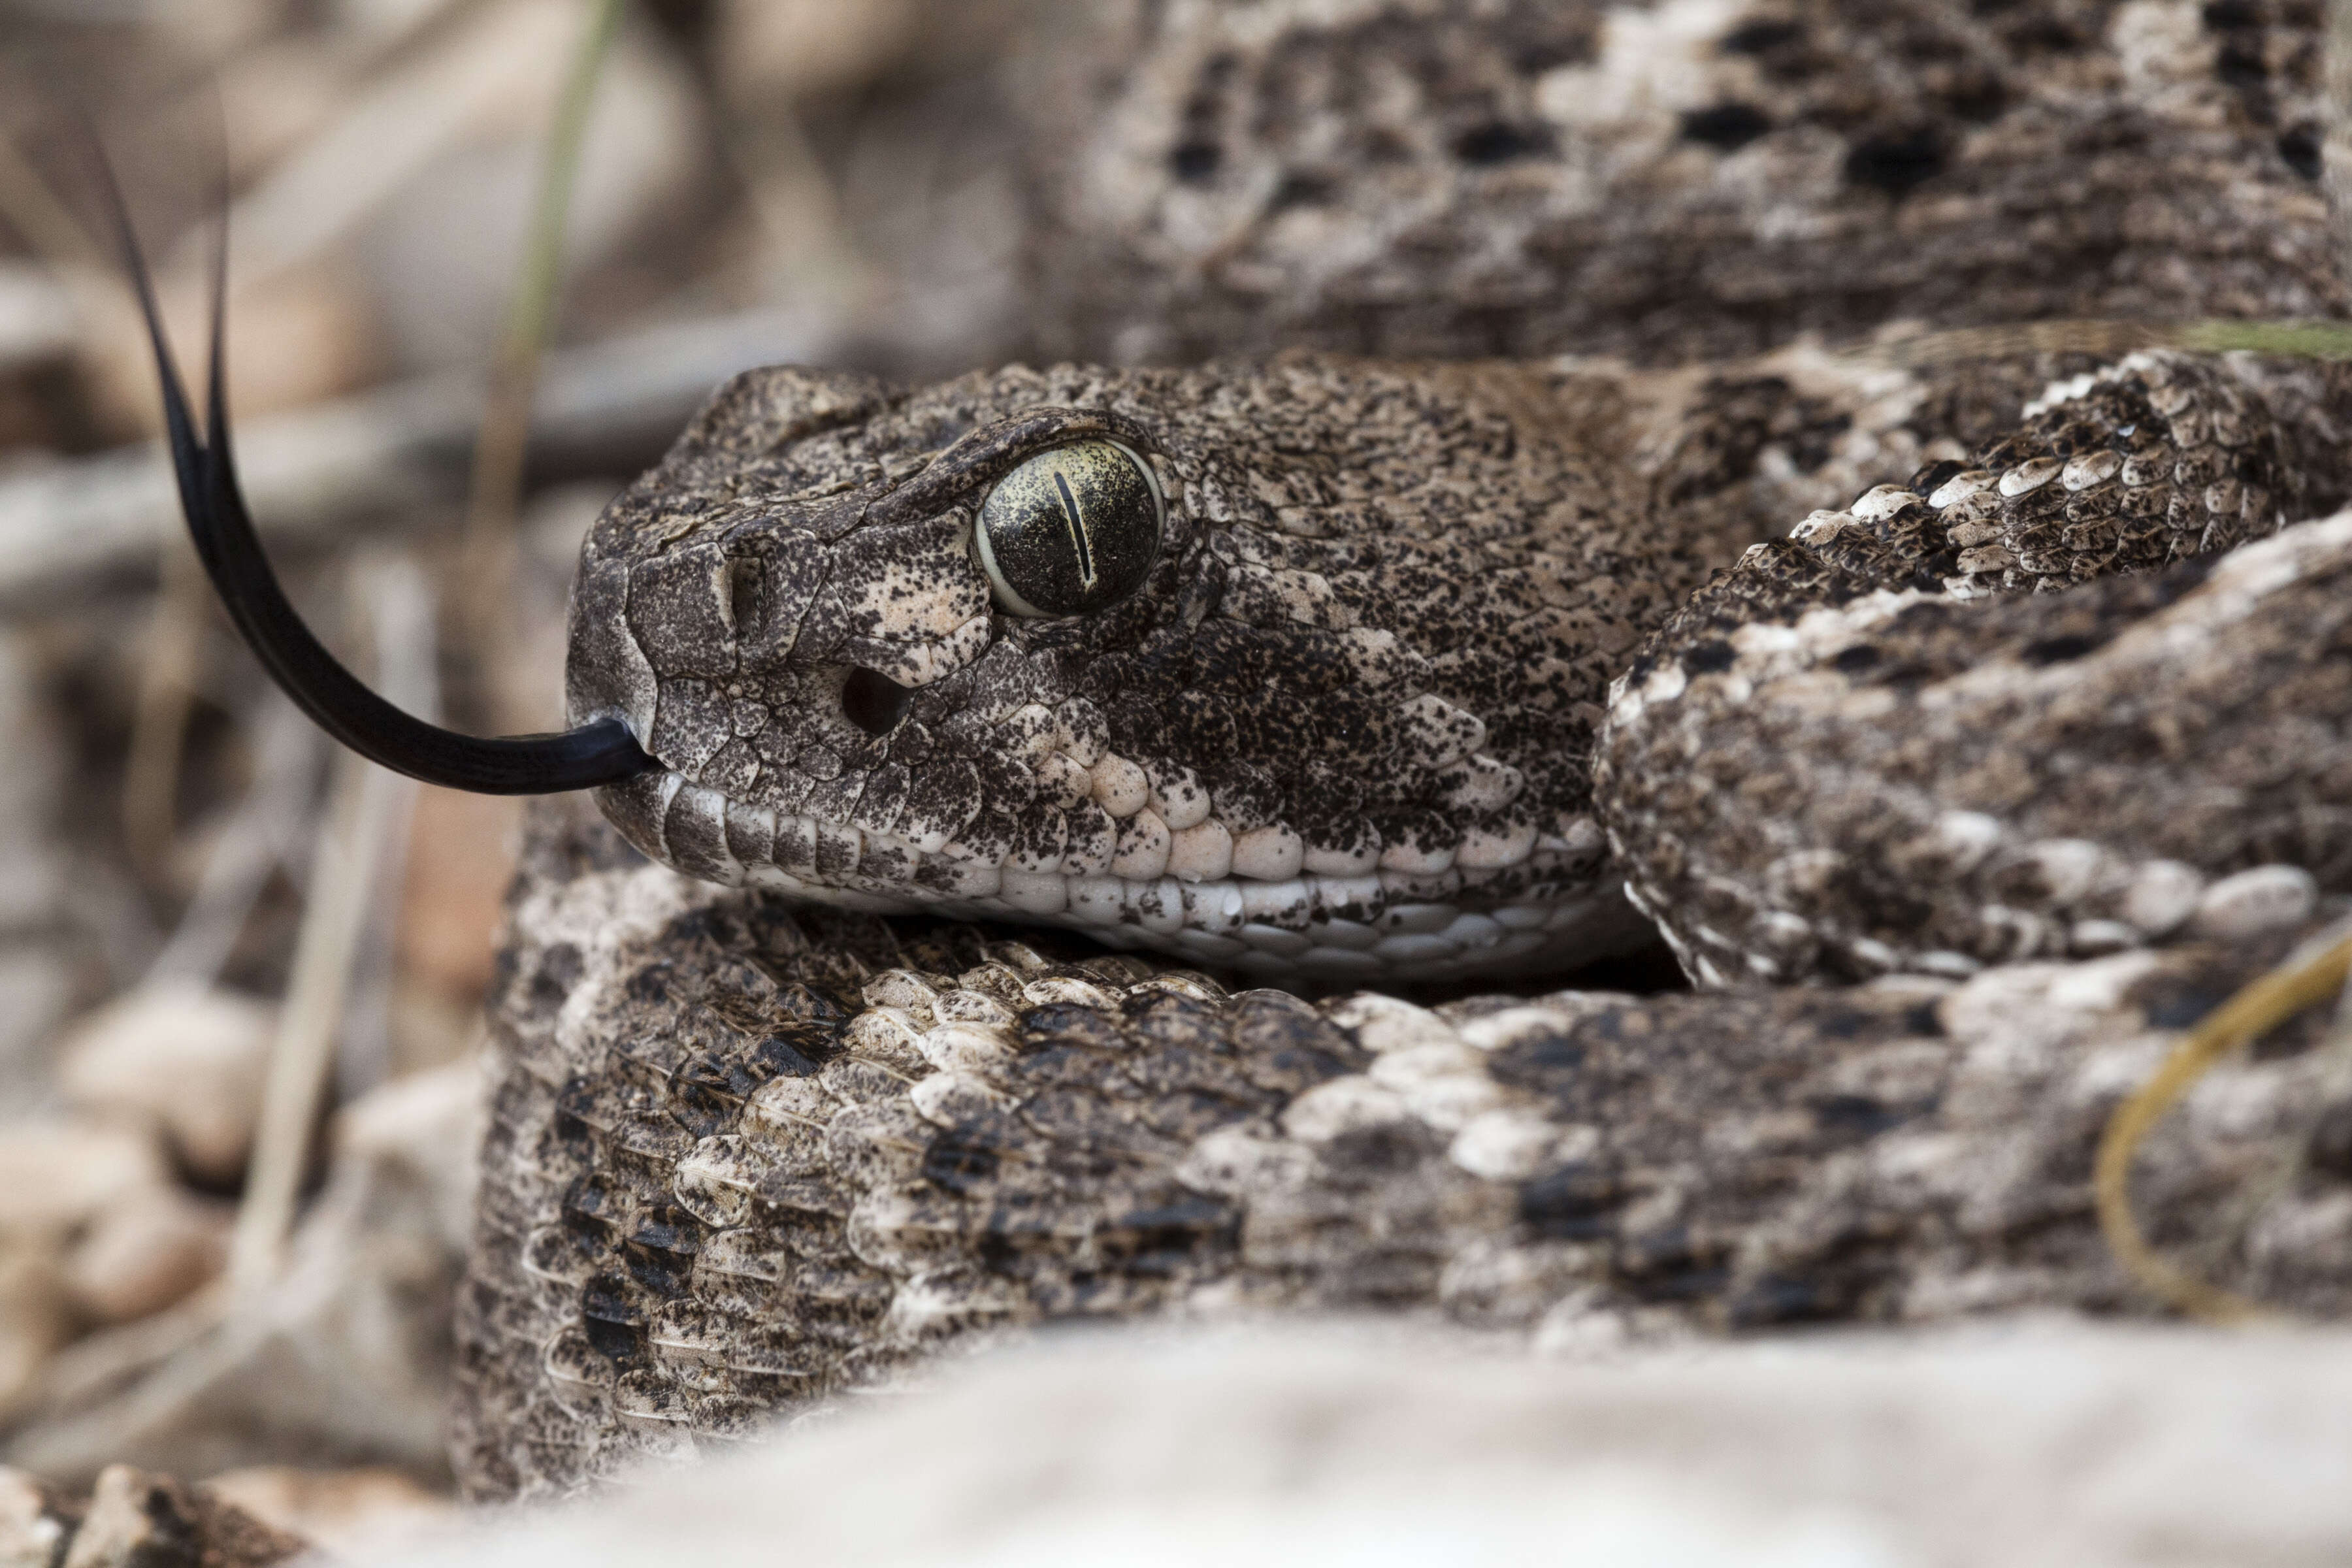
(147, 1252)
(343, 1359)
(55, 1176)
(2030, 1444)
(188, 1058)
(37, 315)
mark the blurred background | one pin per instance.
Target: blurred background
(199, 1271)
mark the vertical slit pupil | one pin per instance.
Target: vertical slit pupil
(1077, 531)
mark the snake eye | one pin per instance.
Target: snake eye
(1072, 531)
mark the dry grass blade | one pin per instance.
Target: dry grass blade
(514, 378)
(158, 716)
(2314, 975)
(2305, 339)
(2110, 340)
(361, 820)
(425, 100)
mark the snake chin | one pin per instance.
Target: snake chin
(1551, 909)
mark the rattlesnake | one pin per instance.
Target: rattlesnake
(1299, 668)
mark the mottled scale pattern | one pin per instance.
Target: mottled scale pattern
(1678, 179)
(747, 1157)
(1851, 754)
(1342, 733)
(1345, 730)
(1365, 675)
(1836, 600)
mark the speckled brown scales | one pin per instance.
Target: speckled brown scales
(1366, 671)
(1833, 763)
(1679, 180)
(742, 1158)
(1345, 730)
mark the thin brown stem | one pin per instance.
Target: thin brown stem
(159, 718)
(363, 815)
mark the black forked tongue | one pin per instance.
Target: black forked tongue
(596, 753)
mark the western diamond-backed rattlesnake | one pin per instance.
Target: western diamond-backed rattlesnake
(1325, 698)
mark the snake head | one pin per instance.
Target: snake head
(1294, 668)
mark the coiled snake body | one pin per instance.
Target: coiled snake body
(2031, 740)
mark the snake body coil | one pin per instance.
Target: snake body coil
(1986, 687)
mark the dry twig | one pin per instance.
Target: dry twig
(159, 714)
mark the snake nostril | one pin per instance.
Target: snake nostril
(874, 702)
